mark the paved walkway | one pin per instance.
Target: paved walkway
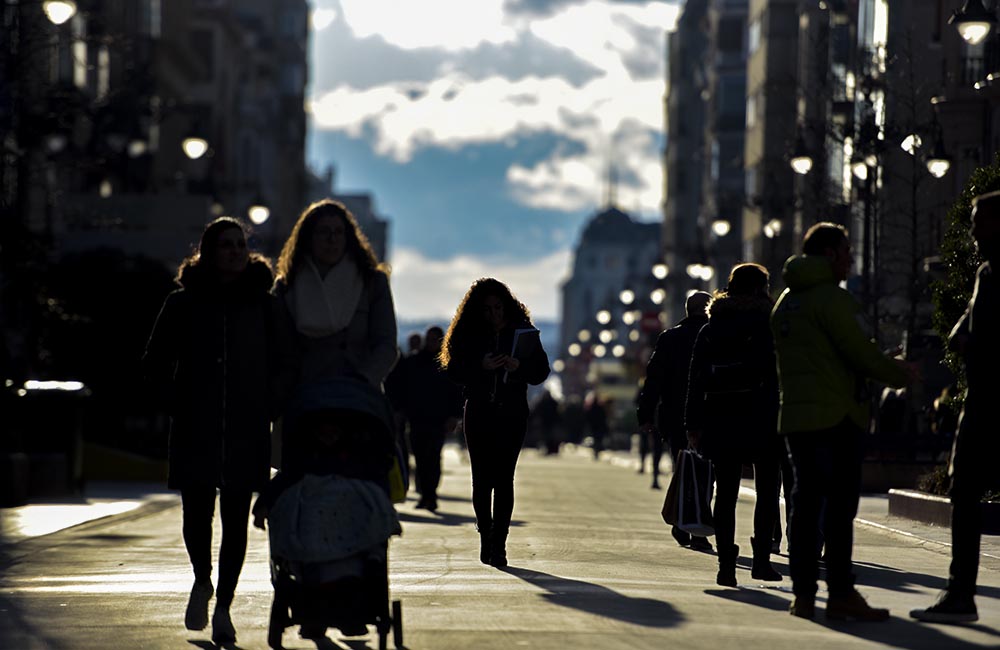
(592, 566)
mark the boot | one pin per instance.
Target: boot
(485, 548)
(853, 607)
(727, 565)
(498, 550)
(762, 569)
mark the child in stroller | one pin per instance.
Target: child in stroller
(330, 515)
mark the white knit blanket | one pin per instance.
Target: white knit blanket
(323, 518)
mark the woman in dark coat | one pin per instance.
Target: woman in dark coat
(732, 412)
(220, 358)
(477, 353)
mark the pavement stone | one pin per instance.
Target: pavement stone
(592, 566)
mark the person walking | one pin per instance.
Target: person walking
(595, 414)
(477, 354)
(220, 357)
(824, 359)
(650, 444)
(432, 405)
(660, 410)
(338, 297)
(732, 413)
(977, 444)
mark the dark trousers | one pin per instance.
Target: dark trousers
(973, 474)
(826, 466)
(728, 472)
(651, 444)
(427, 440)
(494, 438)
(199, 509)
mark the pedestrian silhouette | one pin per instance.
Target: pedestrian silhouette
(732, 413)
(663, 398)
(977, 445)
(478, 353)
(824, 360)
(221, 359)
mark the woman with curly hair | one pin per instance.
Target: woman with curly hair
(476, 353)
(338, 296)
(221, 360)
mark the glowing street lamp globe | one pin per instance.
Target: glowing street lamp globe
(973, 21)
(721, 227)
(194, 147)
(59, 11)
(258, 213)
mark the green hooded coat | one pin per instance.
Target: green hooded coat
(824, 355)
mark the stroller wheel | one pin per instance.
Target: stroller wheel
(397, 624)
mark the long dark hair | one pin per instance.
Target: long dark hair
(202, 261)
(469, 321)
(294, 251)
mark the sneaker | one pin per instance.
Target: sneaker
(223, 631)
(196, 616)
(853, 607)
(948, 609)
(803, 607)
(700, 544)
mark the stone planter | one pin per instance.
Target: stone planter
(936, 510)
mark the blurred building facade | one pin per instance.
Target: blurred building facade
(611, 301)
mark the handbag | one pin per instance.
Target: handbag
(694, 494)
(669, 509)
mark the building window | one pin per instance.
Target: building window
(203, 44)
(753, 35)
(732, 95)
(751, 110)
(730, 37)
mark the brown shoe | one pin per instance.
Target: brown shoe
(803, 607)
(853, 607)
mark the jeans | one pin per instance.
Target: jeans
(199, 509)
(494, 437)
(728, 473)
(427, 439)
(826, 466)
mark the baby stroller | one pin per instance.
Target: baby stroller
(330, 516)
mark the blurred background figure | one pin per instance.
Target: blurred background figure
(595, 414)
(545, 413)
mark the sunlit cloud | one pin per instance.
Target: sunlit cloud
(613, 115)
(428, 289)
(447, 24)
(323, 18)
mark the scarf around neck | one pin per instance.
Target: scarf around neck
(323, 306)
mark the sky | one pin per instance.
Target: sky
(484, 130)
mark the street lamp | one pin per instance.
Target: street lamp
(974, 21)
(859, 167)
(258, 211)
(59, 11)
(194, 146)
(772, 228)
(627, 296)
(660, 271)
(939, 162)
(721, 227)
(801, 161)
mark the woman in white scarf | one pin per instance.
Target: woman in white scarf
(338, 296)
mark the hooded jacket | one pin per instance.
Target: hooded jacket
(221, 360)
(732, 393)
(824, 356)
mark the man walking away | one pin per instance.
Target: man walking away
(824, 358)
(977, 444)
(664, 392)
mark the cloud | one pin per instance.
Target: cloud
(447, 24)
(323, 18)
(615, 113)
(428, 289)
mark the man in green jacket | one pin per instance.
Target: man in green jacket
(824, 361)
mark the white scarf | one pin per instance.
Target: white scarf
(323, 306)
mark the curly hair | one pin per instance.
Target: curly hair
(746, 279)
(469, 321)
(201, 261)
(296, 247)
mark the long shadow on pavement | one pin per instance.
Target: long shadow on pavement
(895, 579)
(599, 600)
(443, 519)
(897, 632)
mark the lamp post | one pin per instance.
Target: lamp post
(973, 21)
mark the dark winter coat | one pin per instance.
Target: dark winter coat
(431, 397)
(977, 443)
(221, 360)
(480, 386)
(732, 394)
(667, 378)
